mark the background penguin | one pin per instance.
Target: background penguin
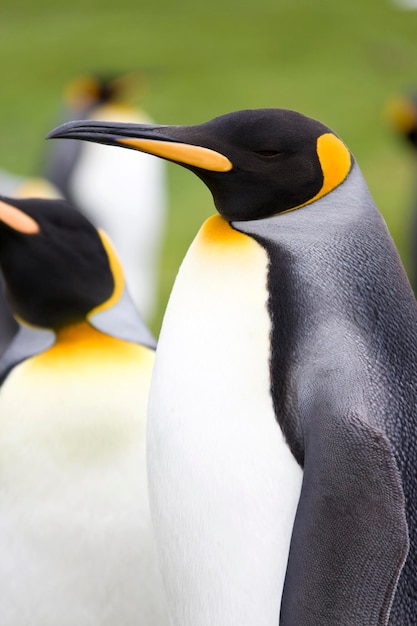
(124, 196)
(281, 442)
(401, 114)
(23, 187)
(75, 536)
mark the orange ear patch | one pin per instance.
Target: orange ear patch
(18, 220)
(335, 161)
(82, 91)
(401, 114)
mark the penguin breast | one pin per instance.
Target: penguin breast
(224, 485)
(75, 531)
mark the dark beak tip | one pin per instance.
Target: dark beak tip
(59, 131)
(53, 134)
(66, 130)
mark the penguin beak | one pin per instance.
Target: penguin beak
(17, 220)
(162, 141)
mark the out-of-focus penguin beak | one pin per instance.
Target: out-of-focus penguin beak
(17, 219)
(158, 140)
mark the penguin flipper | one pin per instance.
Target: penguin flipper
(123, 321)
(350, 536)
(26, 343)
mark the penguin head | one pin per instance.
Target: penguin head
(400, 113)
(257, 163)
(55, 263)
(85, 93)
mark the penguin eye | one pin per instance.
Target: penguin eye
(268, 153)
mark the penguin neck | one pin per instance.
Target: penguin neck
(328, 268)
(82, 338)
(83, 334)
(79, 331)
(218, 237)
(340, 226)
(80, 345)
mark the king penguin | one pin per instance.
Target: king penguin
(23, 187)
(282, 419)
(76, 544)
(401, 115)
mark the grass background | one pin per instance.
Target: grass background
(336, 61)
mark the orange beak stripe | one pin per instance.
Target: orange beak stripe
(196, 156)
(18, 220)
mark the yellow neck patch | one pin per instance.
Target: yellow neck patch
(216, 231)
(79, 345)
(37, 188)
(81, 331)
(117, 273)
(217, 242)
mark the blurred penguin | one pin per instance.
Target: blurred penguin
(125, 194)
(23, 187)
(76, 542)
(401, 115)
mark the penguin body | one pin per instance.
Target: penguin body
(283, 399)
(247, 484)
(75, 532)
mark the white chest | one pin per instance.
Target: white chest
(75, 537)
(224, 485)
(125, 186)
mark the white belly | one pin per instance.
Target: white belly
(224, 486)
(116, 187)
(76, 545)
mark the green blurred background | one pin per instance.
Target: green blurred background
(333, 60)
